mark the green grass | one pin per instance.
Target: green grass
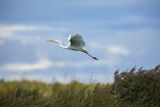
(138, 89)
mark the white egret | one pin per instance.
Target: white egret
(76, 43)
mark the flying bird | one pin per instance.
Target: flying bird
(76, 43)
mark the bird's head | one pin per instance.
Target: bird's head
(55, 41)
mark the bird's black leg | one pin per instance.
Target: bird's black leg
(91, 55)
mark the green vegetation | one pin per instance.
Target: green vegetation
(130, 89)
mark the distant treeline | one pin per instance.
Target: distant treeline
(131, 88)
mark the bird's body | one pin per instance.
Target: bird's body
(76, 43)
(76, 48)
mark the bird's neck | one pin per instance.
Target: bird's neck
(62, 45)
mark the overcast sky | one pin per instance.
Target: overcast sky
(120, 33)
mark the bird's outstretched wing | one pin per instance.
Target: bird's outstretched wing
(76, 41)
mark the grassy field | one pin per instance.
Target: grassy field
(139, 88)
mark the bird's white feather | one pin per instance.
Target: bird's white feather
(76, 40)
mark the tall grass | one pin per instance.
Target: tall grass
(139, 88)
